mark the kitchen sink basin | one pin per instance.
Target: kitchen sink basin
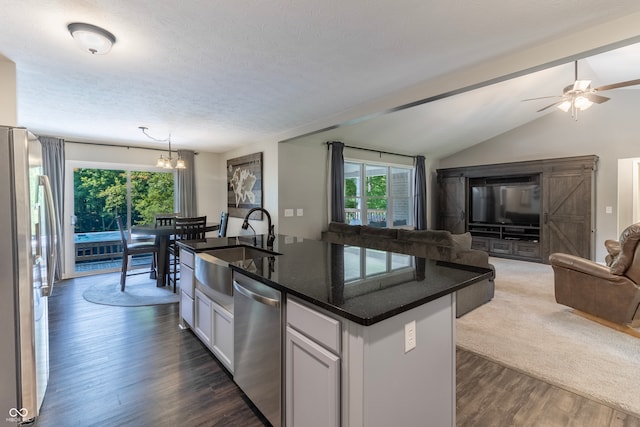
(212, 266)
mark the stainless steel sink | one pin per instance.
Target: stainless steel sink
(212, 266)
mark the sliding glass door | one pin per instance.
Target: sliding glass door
(100, 195)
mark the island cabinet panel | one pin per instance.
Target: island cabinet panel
(203, 318)
(312, 385)
(187, 286)
(222, 338)
(213, 324)
(385, 386)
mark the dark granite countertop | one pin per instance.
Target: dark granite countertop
(331, 276)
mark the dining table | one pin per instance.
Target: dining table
(162, 235)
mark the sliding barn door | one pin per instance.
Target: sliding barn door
(568, 222)
(451, 204)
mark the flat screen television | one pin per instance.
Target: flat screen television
(509, 203)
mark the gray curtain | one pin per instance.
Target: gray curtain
(337, 181)
(420, 196)
(185, 186)
(53, 167)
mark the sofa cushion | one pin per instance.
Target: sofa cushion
(338, 227)
(628, 242)
(461, 242)
(439, 237)
(381, 233)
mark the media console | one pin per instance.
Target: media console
(507, 240)
(524, 210)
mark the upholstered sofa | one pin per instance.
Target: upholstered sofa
(433, 244)
(610, 292)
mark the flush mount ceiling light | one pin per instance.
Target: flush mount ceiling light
(92, 39)
(165, 162)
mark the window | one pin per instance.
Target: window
(362, 264)
(378, 195)
(99, 196)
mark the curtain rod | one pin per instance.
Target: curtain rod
(105, 144)
(373, 150)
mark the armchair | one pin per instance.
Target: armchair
(610, 292)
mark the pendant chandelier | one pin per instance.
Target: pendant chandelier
(168, 162)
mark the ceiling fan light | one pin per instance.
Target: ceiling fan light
(91, 39)
(565, 106)
(582, 103)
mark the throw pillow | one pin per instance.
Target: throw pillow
(461, 242)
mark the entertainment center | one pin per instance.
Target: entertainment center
(524, 210)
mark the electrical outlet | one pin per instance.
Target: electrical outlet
(409, 336)
(299, 212)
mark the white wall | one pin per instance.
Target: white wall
(303, 182)
(610, 131)
(8, 100)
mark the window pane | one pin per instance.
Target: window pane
(400, 261)
(352, 179)
(376, 181)
(151, 193)
(375, 262)
(352, 263)
(402, 202)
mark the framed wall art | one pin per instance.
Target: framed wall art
(244, 185)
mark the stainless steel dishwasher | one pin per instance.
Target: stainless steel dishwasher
(258, 344)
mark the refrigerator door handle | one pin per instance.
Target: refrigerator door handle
(52, 235)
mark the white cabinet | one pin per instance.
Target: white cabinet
(312, 385)
(187, 284)
(203, 326)
(213, 324)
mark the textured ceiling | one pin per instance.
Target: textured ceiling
(219, 74)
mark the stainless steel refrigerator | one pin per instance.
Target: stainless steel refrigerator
(27, 260)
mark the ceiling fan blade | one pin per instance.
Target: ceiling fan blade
(542, 97)
(550, 105)
(581, 85)
(596, 99)
(617, 85)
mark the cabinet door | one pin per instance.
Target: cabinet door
(312, 383)
(203, 323)
(186, 308)
(222, 335)
(451, 204)
(567, 219)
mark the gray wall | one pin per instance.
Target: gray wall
(610, 131)
(302, 182)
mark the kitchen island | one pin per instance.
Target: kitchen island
(368, 336)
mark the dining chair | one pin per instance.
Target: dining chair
(133, 249)
(224, 219)
(193, 228)
(166, 220)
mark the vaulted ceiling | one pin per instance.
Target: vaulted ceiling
(216, 75)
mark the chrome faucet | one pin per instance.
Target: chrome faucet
(271, 237)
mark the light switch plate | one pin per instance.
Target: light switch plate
(299, 212)
(288, 212)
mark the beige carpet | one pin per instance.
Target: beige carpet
(524, 328)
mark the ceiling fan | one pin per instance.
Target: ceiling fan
(580, 95)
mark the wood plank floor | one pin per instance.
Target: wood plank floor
(133, 366)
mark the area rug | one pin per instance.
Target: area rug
(139, 291)
(525, 329)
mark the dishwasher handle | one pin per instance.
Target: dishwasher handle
(255, 296)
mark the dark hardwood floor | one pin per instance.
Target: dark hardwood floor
(133, 366)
